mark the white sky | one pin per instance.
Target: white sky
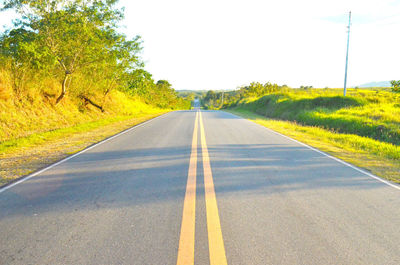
(223, 44)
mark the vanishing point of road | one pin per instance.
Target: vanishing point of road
(200, 187)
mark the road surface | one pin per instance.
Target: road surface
(203, 187)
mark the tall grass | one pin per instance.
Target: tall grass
(382, 159)
(367, 113)
(22, 119)
(34, 112)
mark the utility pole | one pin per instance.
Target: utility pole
(347, 55)
(222, 101)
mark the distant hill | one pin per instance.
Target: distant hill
(377, 84)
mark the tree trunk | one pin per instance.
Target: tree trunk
(87, 100)
(63, 88)
(105, 95)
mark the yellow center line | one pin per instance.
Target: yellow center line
(215, 240)
(186, 241)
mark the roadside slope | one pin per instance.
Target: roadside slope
(357, 150)
(35, 134)
(362, 128)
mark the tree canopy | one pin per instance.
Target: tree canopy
(395, 86)
(77, 39)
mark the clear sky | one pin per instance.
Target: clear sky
(223, 44)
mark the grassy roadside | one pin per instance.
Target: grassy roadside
(22, 156)
(372, 114)
(379, 158)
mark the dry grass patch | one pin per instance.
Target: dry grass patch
(21, 160)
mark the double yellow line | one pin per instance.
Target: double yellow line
(187, 236)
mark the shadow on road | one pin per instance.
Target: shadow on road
(280, 168)
(117, 179)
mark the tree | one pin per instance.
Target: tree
(73, 36)
(140, 83)
(15, 47)
(210, 96)
(256, 89)
(166, 94)
(395, 86)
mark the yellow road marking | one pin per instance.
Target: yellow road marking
(215, 240)
(186, 241)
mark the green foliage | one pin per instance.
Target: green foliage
(212, 100)
(161, 94)
(191, 93)
(365, 113)
(215, 100)
(209, 99)
(395, 86)
(380, 158)
(257, 89)
(78, 43)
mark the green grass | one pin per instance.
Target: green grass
(22, 118)
(382, 159)
(26, 155)
(26, 125)
(373, 114)
(39, 138)
(35, 132)
(363, 128)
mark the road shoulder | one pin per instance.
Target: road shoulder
(325, 141)
(22, 161)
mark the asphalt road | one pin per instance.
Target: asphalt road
(210, 188)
